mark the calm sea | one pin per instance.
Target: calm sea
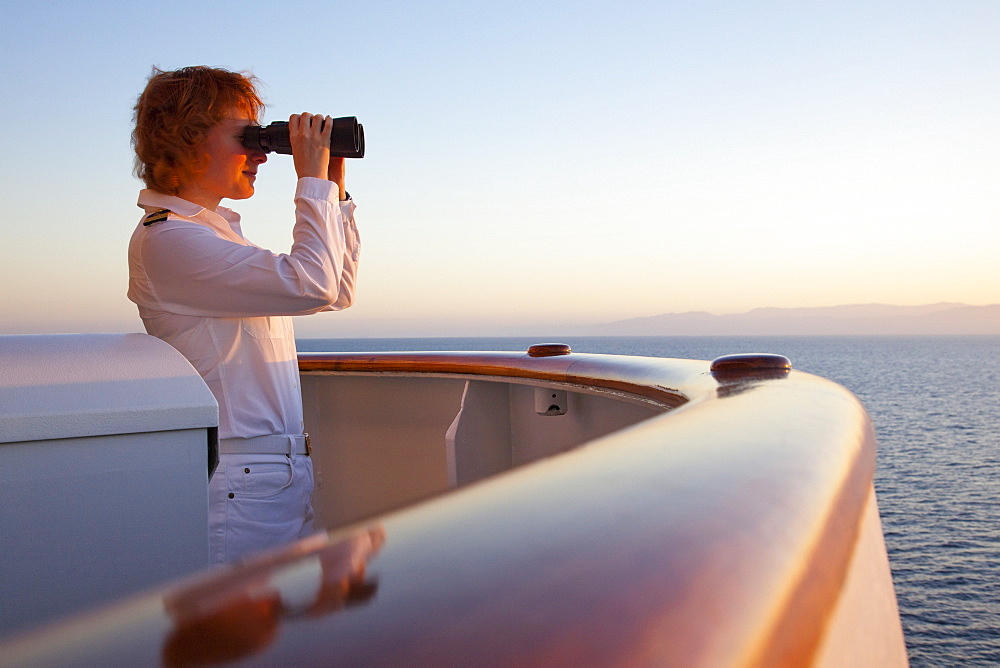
(936, 406)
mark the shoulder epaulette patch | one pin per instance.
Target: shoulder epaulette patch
(156, 217)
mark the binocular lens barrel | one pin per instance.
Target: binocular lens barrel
(346, 141)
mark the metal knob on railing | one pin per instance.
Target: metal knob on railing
(749, 367)
(549, 350)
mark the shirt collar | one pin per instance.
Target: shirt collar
(225, 220)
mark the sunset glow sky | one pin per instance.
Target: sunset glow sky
(535, 166)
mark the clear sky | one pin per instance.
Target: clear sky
(534, 166)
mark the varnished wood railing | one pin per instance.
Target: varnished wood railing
(724, 532)
(623, 374)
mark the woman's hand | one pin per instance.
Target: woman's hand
(310, 138)
(335, 172)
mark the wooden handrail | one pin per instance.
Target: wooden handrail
(644, 377)
(719, 533)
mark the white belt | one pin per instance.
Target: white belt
(275, 444)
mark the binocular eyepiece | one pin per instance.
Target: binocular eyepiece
(346, 141)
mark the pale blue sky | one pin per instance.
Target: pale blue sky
(533, 166)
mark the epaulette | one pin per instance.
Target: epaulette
(156, 217)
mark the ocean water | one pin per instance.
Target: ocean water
(935, 402)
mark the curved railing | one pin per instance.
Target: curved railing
(736, 528)
(630, 375)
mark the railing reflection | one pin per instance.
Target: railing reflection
(237, 615)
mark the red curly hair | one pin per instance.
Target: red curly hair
(174, 114)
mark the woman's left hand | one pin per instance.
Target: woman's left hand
(336, 173)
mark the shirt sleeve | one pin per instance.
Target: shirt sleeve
(193, 271)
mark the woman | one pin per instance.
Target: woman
(225, 303)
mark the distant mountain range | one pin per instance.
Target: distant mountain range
(882, 319)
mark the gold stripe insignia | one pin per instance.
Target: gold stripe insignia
(156, 217)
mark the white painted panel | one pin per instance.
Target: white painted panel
(380, 442)
(88, 520)
(865, 628)
(73, 385)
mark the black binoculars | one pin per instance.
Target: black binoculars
(346, 141)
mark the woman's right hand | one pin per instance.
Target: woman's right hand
(310, 138)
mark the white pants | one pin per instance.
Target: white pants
(256, 502)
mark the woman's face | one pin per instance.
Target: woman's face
(232, 168)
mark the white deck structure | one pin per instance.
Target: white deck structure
(103, 454)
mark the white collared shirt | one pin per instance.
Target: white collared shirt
(223, 302)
